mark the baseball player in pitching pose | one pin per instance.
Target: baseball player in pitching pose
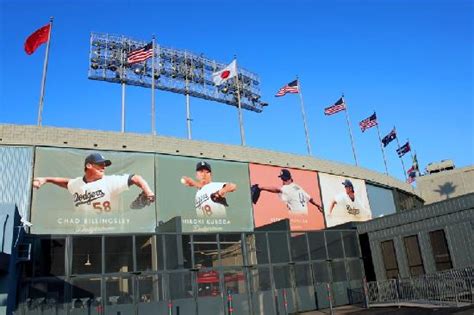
(349, 203)
(210, 196)
(292, 194)
(96, 191)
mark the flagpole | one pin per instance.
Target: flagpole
(415, 162)
(43, 80)
(241, 123)
(188, 106)
(153, 127)
(350, 131)
(308, 145)
(383, 151)
(411, 151)
(401, 159)
(412, 157)
(122, 80)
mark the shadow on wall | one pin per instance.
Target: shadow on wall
(446, 189)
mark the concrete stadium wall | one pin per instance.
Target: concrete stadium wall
(447, 184)
(94, 139)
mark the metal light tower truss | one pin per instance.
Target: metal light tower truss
(176, 71)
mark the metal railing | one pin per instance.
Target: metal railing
(448, 288)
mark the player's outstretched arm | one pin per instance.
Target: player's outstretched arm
(58, 181)
(316, 205)
(188, 181)
(227, 188)
(143, 185)
(271, 189)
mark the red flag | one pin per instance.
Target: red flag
(39, 37)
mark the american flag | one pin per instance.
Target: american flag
(291, 87)
(411, 175)
(337, 107)
(369, 122)
(140, 54)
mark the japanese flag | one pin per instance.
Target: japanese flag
(225, 74)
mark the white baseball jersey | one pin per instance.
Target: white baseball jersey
(295, 197)
(101, 195)
(353, 208)
(205, 207)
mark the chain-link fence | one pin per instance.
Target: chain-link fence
(453, 287)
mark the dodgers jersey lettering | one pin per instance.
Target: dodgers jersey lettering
(352, 207)
(295, 197)
(205, 207)
(100, 195)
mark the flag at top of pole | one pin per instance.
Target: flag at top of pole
(291, 87)
(39, 37)
(390, 137)
(369, 122)
(401, 151)
(221, 76)
(340, 105)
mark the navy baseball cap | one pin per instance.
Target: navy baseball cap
(347, 183)
(97, 158)
(285, 174)
(203, 165)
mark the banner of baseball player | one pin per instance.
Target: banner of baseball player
(208, 195)
(82, 191)
(283, 193)
(345, 199)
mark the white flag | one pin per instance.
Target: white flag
(225, 74)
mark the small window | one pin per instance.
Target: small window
(260, 279)
(415, 261)
(87, 255)
(234, 282)
(86, 293)
(150, 288)
(389, 259)
(119, 290)
(205, 251)
(338, 271)
(334, 243)
(440, 249)
(317, 246)
(118, 254)
(351, 244)
(49, 257)
(299, 247)
(278, 243)
(144, 246)
(257, 252)
(231, 249)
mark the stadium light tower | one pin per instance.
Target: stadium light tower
(176, 71)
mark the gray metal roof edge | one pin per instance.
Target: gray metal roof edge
(440, 208)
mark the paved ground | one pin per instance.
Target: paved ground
(354, 310)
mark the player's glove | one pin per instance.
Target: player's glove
(141, 201)
(219, 199)
(255, 193)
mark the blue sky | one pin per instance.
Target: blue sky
(411, 61)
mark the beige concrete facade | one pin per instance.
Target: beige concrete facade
(116, 141)
(447, 184)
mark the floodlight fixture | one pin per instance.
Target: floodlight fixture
(176, 71)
